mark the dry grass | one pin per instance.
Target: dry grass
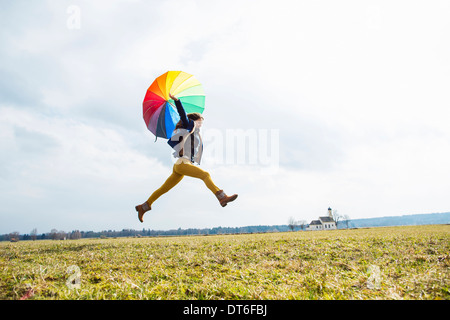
(413, 262)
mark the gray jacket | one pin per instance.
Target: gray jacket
(186, 141)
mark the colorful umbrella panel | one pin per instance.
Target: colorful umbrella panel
(159, 110)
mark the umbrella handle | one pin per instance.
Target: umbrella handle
(173, 97)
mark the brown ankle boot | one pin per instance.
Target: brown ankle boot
(224, 199)
(141, 209)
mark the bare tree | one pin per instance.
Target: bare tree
(337, 217)
(58, 235)
(302, 224)
(33, 234)
(76, 234)
(62, 235)
(292, 223)
(54, 234)
(346, 219)
(14, 236)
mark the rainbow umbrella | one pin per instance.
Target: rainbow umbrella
(160, 112)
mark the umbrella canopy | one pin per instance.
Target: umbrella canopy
(160, 112)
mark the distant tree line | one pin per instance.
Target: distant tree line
(33, 235)
(76, 234)
(343, 221)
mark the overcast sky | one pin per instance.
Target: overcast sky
(351, 99)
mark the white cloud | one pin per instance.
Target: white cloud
(63, 169)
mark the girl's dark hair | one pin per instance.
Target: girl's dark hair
(193, 116)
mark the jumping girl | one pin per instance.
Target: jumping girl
(188, 146)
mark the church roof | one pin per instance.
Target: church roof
(326, 219)
(315, 222)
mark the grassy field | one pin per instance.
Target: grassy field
(412, 263)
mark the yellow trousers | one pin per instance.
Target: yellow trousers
(179, 171)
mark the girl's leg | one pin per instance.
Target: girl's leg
(190, 170)
(171, 182)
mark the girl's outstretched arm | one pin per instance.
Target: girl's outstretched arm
(181, 111)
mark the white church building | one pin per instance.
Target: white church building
(324, 223)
